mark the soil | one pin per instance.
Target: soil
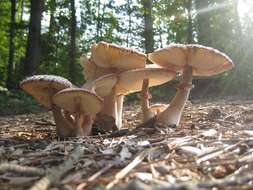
(211, 148)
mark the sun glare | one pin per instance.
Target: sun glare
(244, 7)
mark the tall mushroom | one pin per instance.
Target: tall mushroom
(191, 60)
(43, 88)
(109, 58)
(84, 104)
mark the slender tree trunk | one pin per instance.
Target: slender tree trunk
(22, 10)
(98, 22)
(9, 82)
(148, 25)
(129, 12)
(102, 22)
(33, 44)
(189, 29)
(203, 22)
(50, 49)
(72, 50)
(52, 17)
(160, 33)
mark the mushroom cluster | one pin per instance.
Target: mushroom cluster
(112, 72)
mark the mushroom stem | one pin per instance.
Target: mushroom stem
(64, 128)
(68, 117)
(110, 105)
(120, 102)
(145, 108)
(172, 115)
(84, 125)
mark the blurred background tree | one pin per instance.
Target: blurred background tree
(48, 36)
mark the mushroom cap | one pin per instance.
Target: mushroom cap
(102, 85)
(158, 108)
(131, 81)
(205, 61)
(43, 87)
(78, 100)
(90, 70)
(113, 56)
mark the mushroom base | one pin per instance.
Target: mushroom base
(64, 127)
(172, 115)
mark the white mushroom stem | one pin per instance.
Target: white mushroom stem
(173, 113)
(145, 108)
(64, 128)
(120, 102)
(110, 105)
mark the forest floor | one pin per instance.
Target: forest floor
(212, 147)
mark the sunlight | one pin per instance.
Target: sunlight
(244, 7)
(214, 7)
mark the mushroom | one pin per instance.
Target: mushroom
(43, 88)
(90, 70)
(131, 81)
(103, 87)
(148, 111)
(191, 60)
(109, 58)
(83, 103)
(112, 56)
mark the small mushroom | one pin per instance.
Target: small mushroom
(83, 104)
(191, 60)
(43, 88)
(148, 111)
(131, 81)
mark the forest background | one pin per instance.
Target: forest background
(48, 37)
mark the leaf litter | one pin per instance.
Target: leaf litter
(212, 148)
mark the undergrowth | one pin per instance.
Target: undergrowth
(17, 102)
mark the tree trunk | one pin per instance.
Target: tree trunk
(52, 17)
(129, 12)
(33, 44)
(22, 10)
(72, 50)
(203, 22)
(189, 28)
(98, 28)
(148, 26)
(9, 82)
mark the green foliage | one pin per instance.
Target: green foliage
(217, 24)
(16, 102)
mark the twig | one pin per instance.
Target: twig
(121, 174)
(94, 176)
(228, 182)
(55, 174)
(31, 171)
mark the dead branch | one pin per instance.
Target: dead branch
(31, 171)
(54, 175)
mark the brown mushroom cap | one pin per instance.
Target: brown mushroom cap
(90, 70)
(113, 56)
(102, 85)
(131, 81)
(205, 61)
(78, 100)
(43, 87)
(157, 108)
